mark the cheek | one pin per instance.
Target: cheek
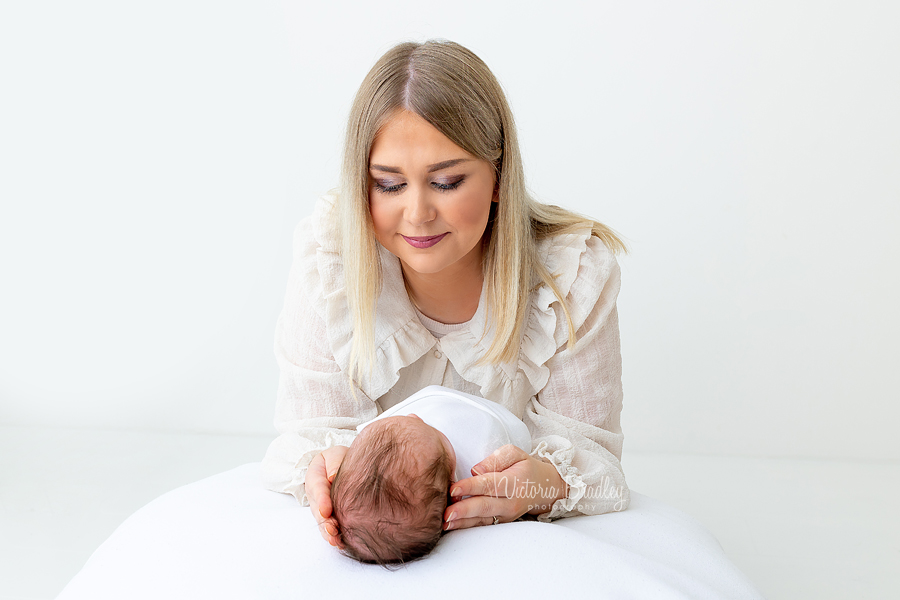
(381, 217)
(473, 211)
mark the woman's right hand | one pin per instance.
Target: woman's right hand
(318, 490)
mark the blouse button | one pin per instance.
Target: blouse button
(437, 354)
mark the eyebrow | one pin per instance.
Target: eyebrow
(431, 168)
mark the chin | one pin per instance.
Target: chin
(425, 268)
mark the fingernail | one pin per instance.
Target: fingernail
(451, 517)
(456, 492)
(477, 471)
(330, 529)
(448, 526)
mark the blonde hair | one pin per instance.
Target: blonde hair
(451, 88)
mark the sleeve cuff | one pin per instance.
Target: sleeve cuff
(562, 460)
(295, 482)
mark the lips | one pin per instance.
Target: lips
(424, 242)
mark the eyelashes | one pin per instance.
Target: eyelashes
(389, 189)
(399, 187)
(446, 187)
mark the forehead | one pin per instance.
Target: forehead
(407, 136)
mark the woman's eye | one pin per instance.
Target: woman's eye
(388, 188)
(446, 187)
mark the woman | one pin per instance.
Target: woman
(432, 265)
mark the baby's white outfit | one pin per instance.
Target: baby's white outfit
(475, 426)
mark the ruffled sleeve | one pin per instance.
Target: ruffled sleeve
(316, 407)
(574, 417)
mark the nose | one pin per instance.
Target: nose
(420, 210)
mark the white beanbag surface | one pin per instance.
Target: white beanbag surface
(227, 537)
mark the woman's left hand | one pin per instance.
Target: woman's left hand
(511, 483)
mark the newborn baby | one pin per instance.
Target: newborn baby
(391, 490)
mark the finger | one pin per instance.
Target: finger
(324, 508)
(318, 490)
(332, 540)
(502, 458)
(318, 493)
(480, 507)
(472, 522)
(499, 485)
(328, 530)
(333, 458)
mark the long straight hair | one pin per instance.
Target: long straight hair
(453, 90)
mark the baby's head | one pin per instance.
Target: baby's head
(391, 490)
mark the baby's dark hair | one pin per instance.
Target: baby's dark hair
(388, 508)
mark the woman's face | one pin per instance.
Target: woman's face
(430, 199)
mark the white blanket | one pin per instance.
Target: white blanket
(226, 537)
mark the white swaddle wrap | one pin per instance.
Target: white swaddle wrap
(475, 426)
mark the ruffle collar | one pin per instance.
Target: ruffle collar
(401, 339)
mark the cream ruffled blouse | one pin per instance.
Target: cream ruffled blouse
(571, 400)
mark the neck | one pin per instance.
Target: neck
(450, 296)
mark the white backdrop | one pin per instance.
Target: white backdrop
(157, 155)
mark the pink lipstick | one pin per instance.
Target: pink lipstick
(424, 242)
